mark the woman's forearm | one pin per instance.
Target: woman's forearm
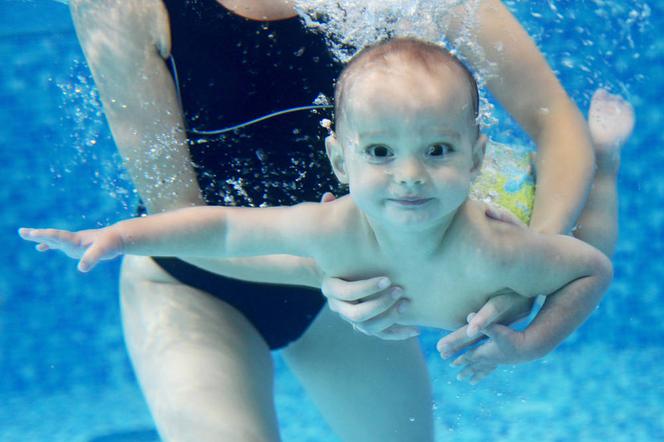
(566, 309)
(564, 169)
(520, 78)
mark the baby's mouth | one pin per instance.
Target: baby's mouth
(410, 201)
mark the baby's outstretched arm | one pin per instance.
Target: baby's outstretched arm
(191, 232)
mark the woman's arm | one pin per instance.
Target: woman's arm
(517, 74)
(125, 44)
(519, 77)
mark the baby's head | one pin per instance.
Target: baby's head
(407, 140)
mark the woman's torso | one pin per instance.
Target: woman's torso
(231, 70)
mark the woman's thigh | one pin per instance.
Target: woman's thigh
(204, 370)
(365, 387)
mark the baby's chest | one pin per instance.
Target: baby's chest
(441, 291)
(443, 296)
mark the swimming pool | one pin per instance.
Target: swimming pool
(64, 372)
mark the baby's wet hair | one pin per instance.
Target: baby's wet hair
(415, 52)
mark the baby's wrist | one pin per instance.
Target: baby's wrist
(116, 231)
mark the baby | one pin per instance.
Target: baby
(408, 145)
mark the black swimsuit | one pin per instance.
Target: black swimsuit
(231, 70)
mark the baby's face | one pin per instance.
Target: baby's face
(408, 141)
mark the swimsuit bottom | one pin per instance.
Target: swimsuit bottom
(280, 313)
(506, 179)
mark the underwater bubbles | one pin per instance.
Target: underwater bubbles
(588, 44)
(351, 25)
(89, 143)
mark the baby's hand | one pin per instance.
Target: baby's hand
(91, 246)
(505, 346)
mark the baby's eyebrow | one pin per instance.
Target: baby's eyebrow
(380, 133)
(449, 134)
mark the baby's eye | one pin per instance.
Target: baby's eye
(439, 149)
(378, 151)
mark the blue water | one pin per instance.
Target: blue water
(64, 374)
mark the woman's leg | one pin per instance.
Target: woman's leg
(204, 370)
(611, 120)
(367, 389)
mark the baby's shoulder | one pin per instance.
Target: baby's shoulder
(337, 219)
(492, 228)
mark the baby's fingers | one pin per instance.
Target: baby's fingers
(47, 238)
(100, 249)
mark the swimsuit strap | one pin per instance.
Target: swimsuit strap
(195, 131)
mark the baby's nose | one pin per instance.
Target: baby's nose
(410, 172)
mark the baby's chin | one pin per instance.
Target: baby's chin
(412, 221)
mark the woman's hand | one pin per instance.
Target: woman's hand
(504, 307)
(505, 346)
(370, 305)
(90, 246)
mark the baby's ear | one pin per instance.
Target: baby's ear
(335, 153)
(479, 149)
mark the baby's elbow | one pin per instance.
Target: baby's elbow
(602, 267)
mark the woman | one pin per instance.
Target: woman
(200, 344)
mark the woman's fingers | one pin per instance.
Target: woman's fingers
(352, 291)
(479, 373)
(473, 367)
(367, 305)
(504, 308)
(455, 342)
(475, 373)
(504, 215)
(378, 324)
(397, 333)
(327, 197)
(366, 310)
(483, 318)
